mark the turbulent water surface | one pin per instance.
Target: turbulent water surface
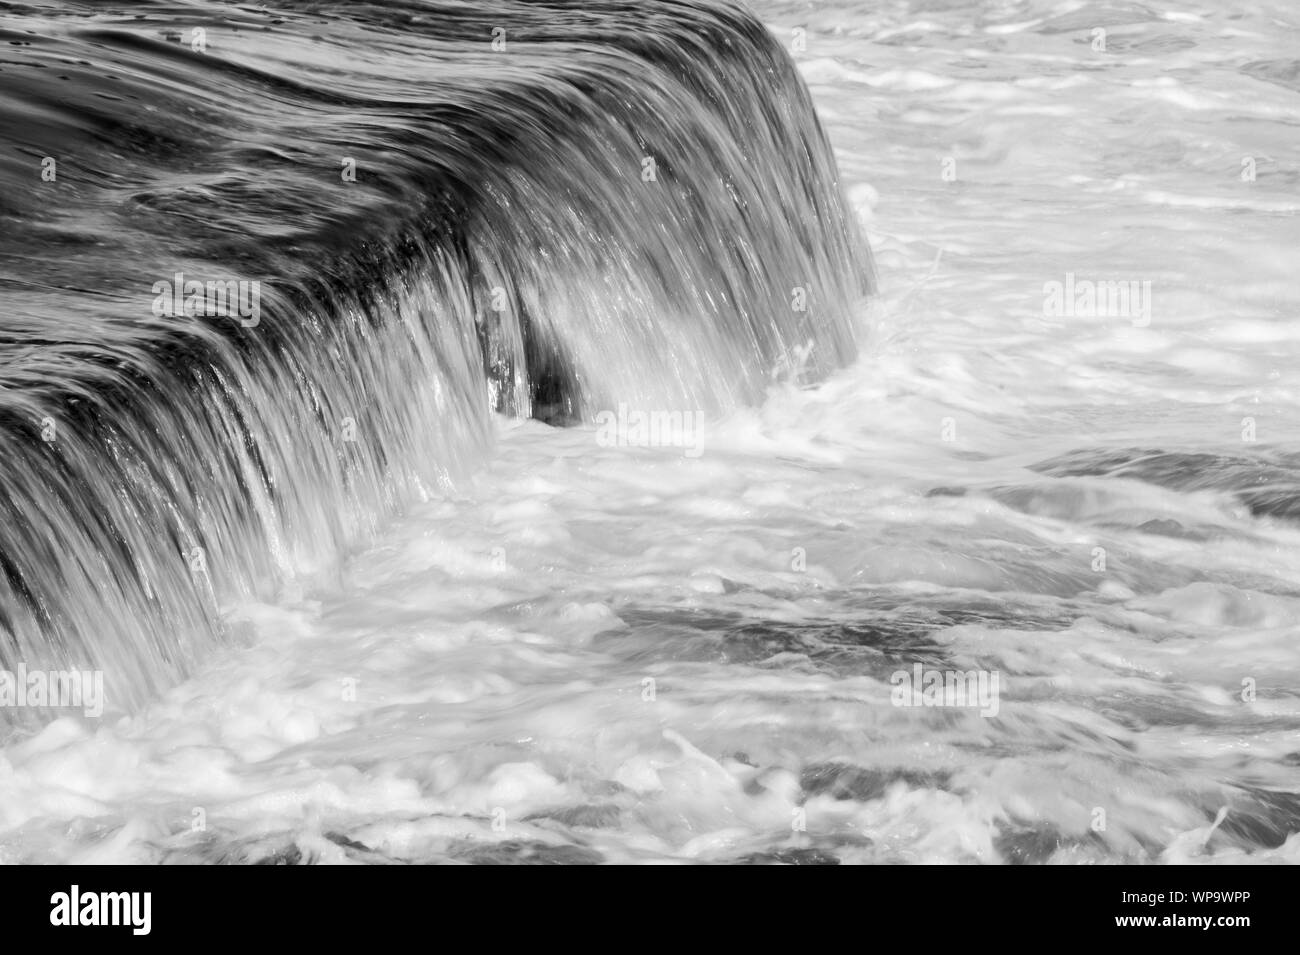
(583, 649)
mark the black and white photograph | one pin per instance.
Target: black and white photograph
(651, 432)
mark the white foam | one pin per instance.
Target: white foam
(524, 647)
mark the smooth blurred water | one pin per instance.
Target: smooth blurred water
(413, 217)
(595, 653)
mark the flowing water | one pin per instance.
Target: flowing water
(345, 613)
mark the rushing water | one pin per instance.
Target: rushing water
(582, 649)
(384, 214)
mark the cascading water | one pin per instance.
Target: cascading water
(1059, 477)
(419, 211)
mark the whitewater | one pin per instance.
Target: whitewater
(594, 647)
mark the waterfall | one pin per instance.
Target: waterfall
(265, 277)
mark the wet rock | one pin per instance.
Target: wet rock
(791, 857)
(526, 852)
(846, 781)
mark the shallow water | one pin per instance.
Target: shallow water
(602, 653)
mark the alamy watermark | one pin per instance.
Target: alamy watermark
(923, 687)
(213, 299)
(634, 428)
(53, 688)
(130, 909)
(1085, 298)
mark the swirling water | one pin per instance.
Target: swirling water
(587, 651)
